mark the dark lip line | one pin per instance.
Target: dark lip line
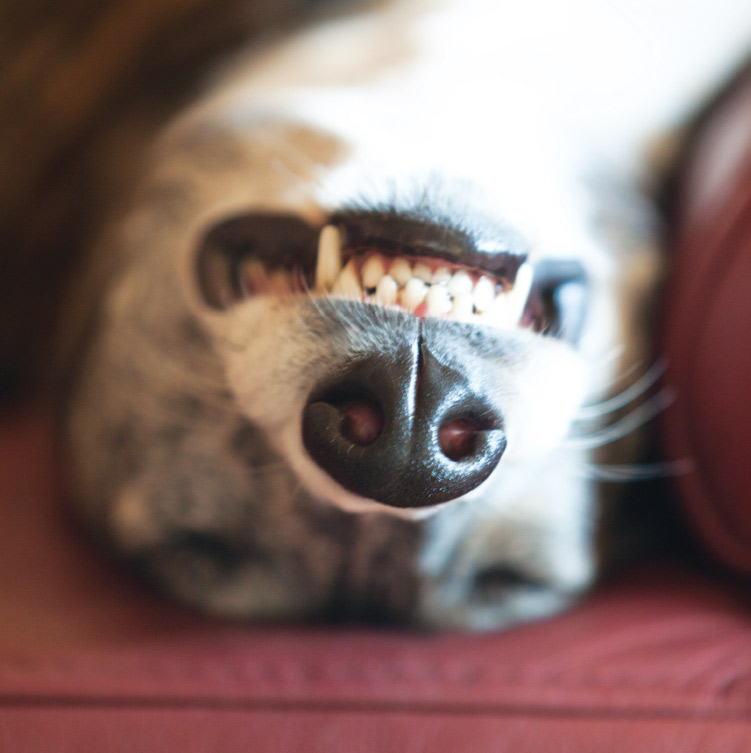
(286, 241)
(394, 234)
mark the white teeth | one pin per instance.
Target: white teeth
(444, 292)
(497, 314)
(459, 283)
(413, 294)
(348, 283)
(484, 293)
(441, 276)
(422, 272)
(438, 300)
(519, 293)
(386, 291)
(372, 271)
(401, 271)
(462, 307)
(329, 261)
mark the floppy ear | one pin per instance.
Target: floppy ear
(279, 241)
(558, 300)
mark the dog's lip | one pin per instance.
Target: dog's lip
(498, 251)
(266, 252)
(424, 265)
(422, 285)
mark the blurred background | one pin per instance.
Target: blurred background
(76, 78)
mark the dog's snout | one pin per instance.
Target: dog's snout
(403, 429)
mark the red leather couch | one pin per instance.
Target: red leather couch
(657, 659)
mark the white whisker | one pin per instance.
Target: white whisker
(629, 423)
(638, 471)
(628, 395)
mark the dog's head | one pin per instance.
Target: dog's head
(265, 362)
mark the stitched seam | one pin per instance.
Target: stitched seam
(284, 673)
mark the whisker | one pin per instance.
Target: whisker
(629, 423)
(638, 472)
(628, 395)
(611, 357)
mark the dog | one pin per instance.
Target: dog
(374, 323)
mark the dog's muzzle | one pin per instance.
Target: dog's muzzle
(403, 429)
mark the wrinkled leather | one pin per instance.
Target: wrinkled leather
(707, 334)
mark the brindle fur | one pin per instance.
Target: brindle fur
(182, 422)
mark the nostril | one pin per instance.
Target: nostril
(458, 438)
(362, 421)
(402, 431)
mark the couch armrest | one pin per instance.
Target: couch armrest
(708, 332)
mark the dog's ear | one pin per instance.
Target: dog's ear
(558, 300)
(278, 241)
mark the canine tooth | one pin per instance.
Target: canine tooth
(422, 272)
(348, 283)
(438, 300)
(414, 293)
(441, 276)
(484, 293)
(459, 283)
(519, 293)
(462, 307)
(329, 262)
(401, 271)
(372, 271)
(386, 291)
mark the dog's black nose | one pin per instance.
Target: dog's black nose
(403, 429)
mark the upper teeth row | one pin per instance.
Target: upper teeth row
(418, 287)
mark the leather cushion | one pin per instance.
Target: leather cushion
(708, 334)
(658, 659)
